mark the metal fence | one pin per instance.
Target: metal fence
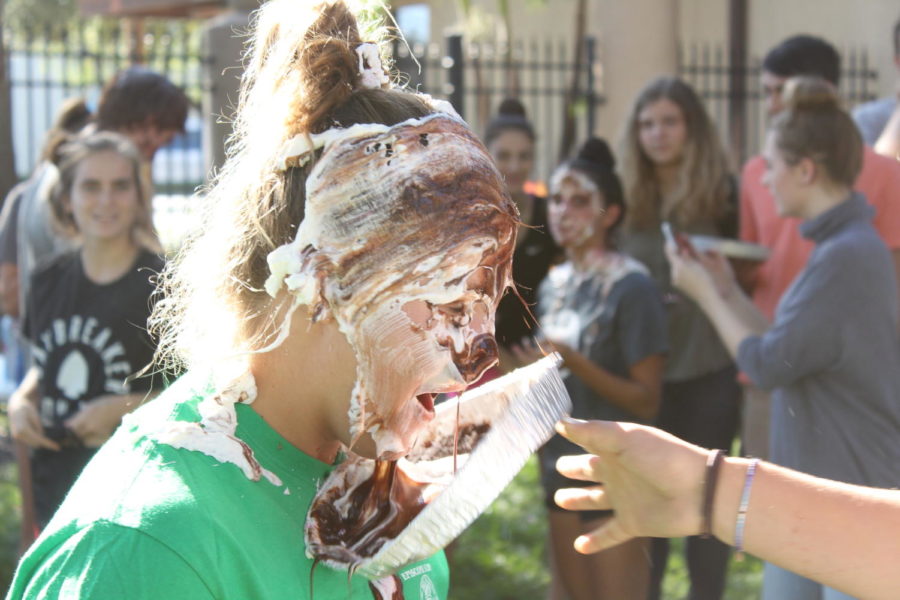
(707, 68)
(45, 67)
(476, 77)
(48, 66)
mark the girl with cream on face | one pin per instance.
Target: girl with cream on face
(351, 255)
(675, 170)
(604, 315)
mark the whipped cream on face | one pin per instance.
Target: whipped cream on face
(410, 215)
(214, 434)
(584, 229)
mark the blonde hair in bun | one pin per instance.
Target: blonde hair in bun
(814, 125)
(302, 76)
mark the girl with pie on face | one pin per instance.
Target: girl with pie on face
(604, 315)
(350, 259)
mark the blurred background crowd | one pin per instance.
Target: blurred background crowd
(608, 121)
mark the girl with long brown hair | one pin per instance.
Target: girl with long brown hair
(675, 171)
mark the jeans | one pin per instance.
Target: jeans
(779, 584)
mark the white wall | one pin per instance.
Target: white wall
(845, 23)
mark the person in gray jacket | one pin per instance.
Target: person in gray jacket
(831, 355)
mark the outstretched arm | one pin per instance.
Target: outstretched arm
(844, 536)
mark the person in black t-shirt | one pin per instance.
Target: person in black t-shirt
(86, 319)
(510, 139)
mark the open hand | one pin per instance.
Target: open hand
(652, 480)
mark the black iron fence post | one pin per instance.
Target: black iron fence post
(737, 79)
(455, 73)
(589, 46)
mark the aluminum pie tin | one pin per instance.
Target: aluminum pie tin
(535, 399)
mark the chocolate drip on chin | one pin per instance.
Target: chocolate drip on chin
(312, 573)
(456, 439)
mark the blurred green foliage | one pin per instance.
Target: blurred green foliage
(37, 14)
(502, 555)
(9, 522)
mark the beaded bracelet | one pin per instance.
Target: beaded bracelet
(713, 462)
(742, 510)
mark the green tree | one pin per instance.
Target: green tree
(38, 15)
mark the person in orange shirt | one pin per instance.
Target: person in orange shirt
(879, 181)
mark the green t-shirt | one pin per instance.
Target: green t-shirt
(147, 520)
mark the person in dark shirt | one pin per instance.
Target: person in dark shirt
(675, 170)
(86, 319)
(510, 139)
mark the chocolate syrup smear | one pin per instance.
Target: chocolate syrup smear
(355, 520)
(377, 510)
